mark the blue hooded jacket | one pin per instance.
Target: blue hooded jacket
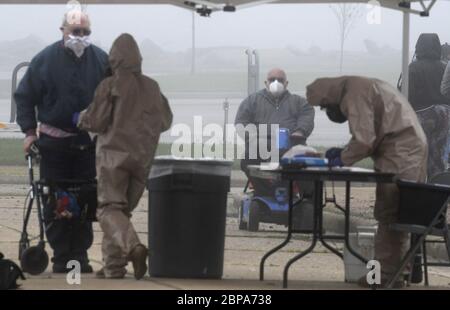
(59, 84)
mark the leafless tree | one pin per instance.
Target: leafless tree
(347, 15)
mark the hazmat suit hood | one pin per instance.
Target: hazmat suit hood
(326, 91)
(428, 46)
(426, 73)
(128, 112)
(125, 55)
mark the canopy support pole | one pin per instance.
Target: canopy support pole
(405, 53)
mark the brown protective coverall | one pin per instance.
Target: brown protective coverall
(385, 127)
(128, 113)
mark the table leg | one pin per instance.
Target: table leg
(288, 237)
(316, 212)
(320, 220)
(347, 224)
(329, 247)
(296, 258)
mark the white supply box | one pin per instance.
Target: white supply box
(362, 242)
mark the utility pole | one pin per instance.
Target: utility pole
(405, 56)
(193, 44)
(226, 108)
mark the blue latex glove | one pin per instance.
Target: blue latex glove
(75, 117)
(334, 156)
(336, 162)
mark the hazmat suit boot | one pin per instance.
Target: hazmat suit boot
(100, 274)
(139, 259)
(114, 260)
(119, 236)
(416, 272)
(390, 248)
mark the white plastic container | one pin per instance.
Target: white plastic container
(362, 242)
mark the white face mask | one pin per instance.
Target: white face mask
(276, 88)
(77, 44)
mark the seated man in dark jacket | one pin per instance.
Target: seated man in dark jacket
(425, 77)
(275, 105)
(60, 81)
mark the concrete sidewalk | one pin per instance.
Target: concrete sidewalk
(243, 251)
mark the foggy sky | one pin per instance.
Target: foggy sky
(266, 26)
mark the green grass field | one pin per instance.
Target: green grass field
(11, 154)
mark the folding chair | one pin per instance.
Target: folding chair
(421, 209)
(442, 230)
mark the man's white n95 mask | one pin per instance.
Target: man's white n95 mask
(276, 88)
(77, 44)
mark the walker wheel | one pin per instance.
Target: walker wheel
(34, 260)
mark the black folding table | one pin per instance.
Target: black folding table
(317, 175)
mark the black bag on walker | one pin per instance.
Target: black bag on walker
(73, 200)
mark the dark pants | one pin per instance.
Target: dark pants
(65, 158)
(435, 124)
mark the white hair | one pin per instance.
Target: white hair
(74, 17)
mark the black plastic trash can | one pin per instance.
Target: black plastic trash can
(187, 214)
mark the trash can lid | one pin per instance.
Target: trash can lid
(165, 165)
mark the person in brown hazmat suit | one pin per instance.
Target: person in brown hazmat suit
(385, 127)
(128, 113)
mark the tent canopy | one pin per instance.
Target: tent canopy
(206, 7)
